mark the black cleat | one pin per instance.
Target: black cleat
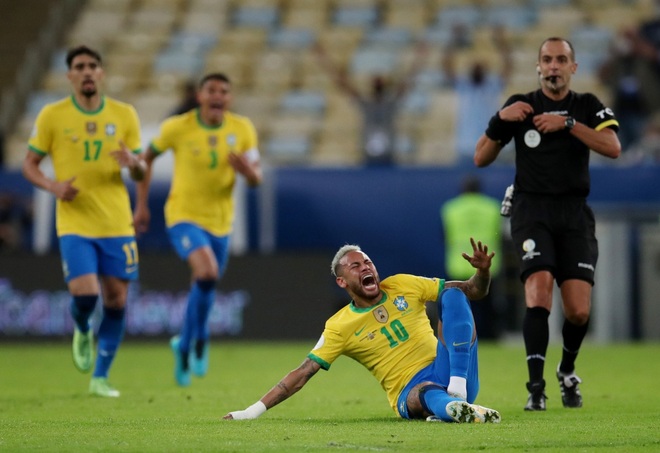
(536, 400)
(570, 393)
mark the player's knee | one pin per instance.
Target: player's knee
(453, 300)
(578, 317)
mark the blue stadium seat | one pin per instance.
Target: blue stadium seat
(288, 147)
(470, 16)
(511, 17)
(349, 16)
(291, 38)
(179, 63)
(312, 102)
(266, 17)
(417, 101)
(373, 61)
(442, 35)
(390, 37)
(192, 42)
(430, 79)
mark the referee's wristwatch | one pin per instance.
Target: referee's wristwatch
(569, 122)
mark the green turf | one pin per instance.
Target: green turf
(44, 405)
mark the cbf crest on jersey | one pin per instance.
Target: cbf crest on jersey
(231, 140)
(400, 303)
(381, 314)
(110, 130)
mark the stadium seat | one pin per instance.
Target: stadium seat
(288, 148)
(397, 38)
(356, 16)
(305, 102)
(468, 15)
(374, 61)
(291, 38)
(511, 17)
(179, 64)
(266, 17)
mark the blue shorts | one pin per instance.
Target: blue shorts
(115, 257)
(188, 237)
(438, 373)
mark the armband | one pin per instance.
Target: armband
(495, 129)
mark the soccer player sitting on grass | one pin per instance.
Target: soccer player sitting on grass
(386, 329)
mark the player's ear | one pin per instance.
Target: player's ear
(341, 282)
(538, 69)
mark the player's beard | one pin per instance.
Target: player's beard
(88, 90)
(89, 93)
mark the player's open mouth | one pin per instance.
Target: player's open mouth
(369, 281)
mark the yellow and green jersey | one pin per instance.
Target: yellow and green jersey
(79, 143)
(393, 339)
(203, 180)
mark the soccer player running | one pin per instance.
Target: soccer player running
(552, 227)
(210, 146)
(90, 138)
(385, 328)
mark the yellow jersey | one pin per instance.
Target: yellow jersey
(393, 339)
(203, 180)
(79, 142)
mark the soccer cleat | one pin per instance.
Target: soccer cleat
(199, 359)
(537, 397)
(464, 412)
(83, 349)
(99, 386)
(570, 393)
(181, 369)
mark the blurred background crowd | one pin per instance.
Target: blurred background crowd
(404, 85)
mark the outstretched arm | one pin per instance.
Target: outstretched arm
(338, 76)
(289, 385)
(126, 159)
(476, 287)
(421, 54)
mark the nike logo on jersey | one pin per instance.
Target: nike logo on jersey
(358, 332)
(454, 344)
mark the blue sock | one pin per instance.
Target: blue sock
(110, 334)
(435, 399)
(200, 301)
(204, 291)
(457, 330)
(81, 309)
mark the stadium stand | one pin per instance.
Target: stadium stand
(152, 47)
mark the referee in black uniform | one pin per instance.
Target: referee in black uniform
(552, 227)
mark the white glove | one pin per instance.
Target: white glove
(250, 413)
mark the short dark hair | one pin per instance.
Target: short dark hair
(558, 39)
(81, 50)
(219, 76)
(471, 184)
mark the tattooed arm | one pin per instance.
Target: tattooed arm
(289, 385)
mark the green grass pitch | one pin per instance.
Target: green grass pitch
(44, 405)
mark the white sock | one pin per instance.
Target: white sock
(457, 387)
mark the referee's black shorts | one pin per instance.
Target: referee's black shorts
(554, 233)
